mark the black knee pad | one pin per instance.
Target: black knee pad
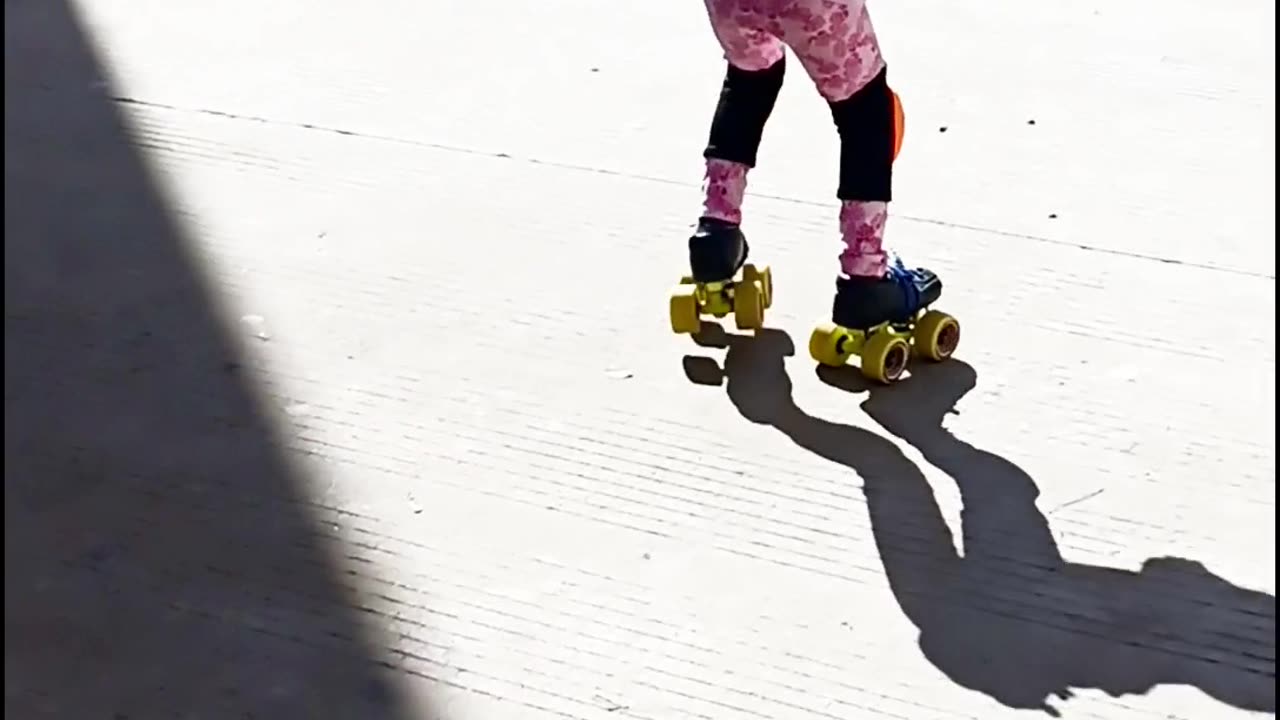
(865, 121)
(746, 101)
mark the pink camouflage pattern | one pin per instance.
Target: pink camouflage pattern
(723, 188)
(836, 44)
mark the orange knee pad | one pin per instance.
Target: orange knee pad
(899, 124)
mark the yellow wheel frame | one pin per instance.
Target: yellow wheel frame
(747, 299)
(685, 319)
(936, 335)
(885, 356)
(748, 305)
(885, 350)
(764, 274)
(830, 345)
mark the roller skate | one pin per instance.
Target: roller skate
(721, 281)
(881, 320)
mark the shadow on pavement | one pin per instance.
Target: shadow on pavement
(1009, 617)
(160, 557)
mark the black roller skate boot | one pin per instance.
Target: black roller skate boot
(881, 319)
(716, 251)
(720, 280)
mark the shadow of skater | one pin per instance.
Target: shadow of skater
(1009, 617)
(164, 555)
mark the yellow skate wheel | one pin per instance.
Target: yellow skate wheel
(884, 357)
(748, 305)
(765, 275)
(828, 345)
(936, 335)
(685, 319)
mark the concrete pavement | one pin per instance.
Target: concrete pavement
(338, 381)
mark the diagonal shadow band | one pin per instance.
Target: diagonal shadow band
(1009, 617)
(164, 556)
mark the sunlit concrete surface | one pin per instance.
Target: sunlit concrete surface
(338, 379)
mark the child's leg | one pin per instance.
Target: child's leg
(752, 81)
(865, 122)
(836, 43)
(753, 78)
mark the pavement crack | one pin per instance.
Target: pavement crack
(1077, 501)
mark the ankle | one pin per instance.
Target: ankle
(724, 187)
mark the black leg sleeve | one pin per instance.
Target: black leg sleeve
(746, 101)
(865, 122)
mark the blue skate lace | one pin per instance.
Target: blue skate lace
(907, 279)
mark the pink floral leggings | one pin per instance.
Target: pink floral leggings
(836, 44)
(833, 39)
